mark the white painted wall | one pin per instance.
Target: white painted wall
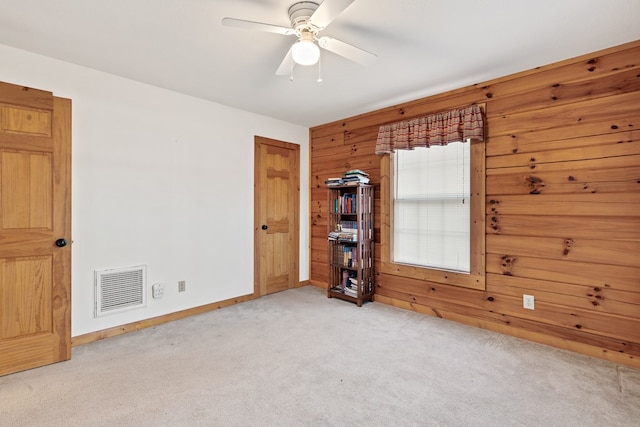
(161, 179)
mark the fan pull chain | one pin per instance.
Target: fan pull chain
(320, 69)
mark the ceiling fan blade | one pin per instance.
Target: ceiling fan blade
(286, 65)
(346, 50)
(259, 26)
(328, 11)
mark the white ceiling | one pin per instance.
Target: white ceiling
(423, 46)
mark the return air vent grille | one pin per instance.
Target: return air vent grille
(120, 289)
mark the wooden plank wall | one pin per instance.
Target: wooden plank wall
(563, 204)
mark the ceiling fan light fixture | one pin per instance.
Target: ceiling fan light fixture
(305, 52)
(308, 19)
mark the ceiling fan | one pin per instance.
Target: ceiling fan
(308, 19)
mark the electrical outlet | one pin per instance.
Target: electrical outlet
(158, 290)
(182, 285)
(528, 302)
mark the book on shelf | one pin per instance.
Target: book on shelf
(351, 292)
(353, 284)
(346, 225)
(342, 236)
(351, 177)
(345, 255)
(350, 256)
(356, 172)
(348, 237)
(346, 285)
(345, 291)
(355, 179)
(346, 203)
(334, 182)
(356, 175)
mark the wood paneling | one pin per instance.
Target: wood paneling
(562, 204)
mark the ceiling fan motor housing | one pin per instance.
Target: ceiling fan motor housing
(299, 14)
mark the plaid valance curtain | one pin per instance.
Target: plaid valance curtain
(435, 129)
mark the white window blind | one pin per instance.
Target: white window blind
(431, 222)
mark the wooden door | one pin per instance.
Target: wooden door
(35, 183)
(276, 217)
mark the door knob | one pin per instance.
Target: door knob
(265, 226)
(61, 243)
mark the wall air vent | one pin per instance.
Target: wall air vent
(120, 289)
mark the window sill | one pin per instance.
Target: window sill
(473, 280)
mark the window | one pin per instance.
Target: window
(431, 214)
(435, 230)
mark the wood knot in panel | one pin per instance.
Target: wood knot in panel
(535, 184)
(506, 264)
(494, 205)
(567, 245)
(495, 225)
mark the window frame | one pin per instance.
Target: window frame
(475, 279)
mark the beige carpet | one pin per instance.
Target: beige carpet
(297, 358)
